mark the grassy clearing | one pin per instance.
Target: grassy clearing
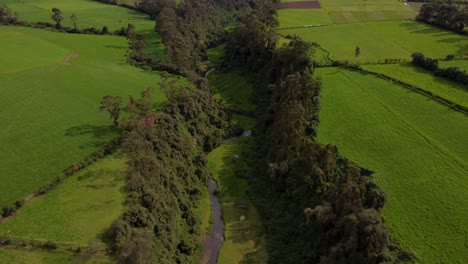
(243, 244)
(90, 14)
(452, 91)
(418, 150)
(233, 89)
(76, 211)
(31, 256)
(462, 64)
(383, 40)
(49, 114)
(288, 18)
(215, 55)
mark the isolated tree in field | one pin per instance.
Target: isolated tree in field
(57, 17)
(112, 104)
(358, 51)
(74, 19)
(7, 16)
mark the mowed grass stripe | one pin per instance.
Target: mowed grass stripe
(50, 115)
(418, 150)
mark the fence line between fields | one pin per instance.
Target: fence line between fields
(434, 97)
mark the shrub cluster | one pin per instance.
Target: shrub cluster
(445, 14)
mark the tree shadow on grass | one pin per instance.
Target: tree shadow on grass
(98, 132)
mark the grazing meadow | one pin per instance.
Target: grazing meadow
(77, 211)
(422, 78)
(418, 150)
(90, 13)
(243, 226)
(50, 103)
(383, 40)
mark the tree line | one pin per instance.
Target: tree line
(451, 73)
(444, 13)
(166, 170)
(317, 206)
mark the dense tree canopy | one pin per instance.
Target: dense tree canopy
(445, 14)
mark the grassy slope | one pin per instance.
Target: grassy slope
(90, 14)
(243, 241)
(50, 115)
(424, 79)
(395, 40)
(418, 150)
(78, 210)
(27, 256)
(235, 92)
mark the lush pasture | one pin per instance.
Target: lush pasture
(288, 18)
(90, 13)
(49, 114)
(243, 244)
(342, 11)
(78, 210)
(383, 40)
(462, 64)
(30, 256)
(419, 151)
(422, 78)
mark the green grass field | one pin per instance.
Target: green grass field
(419, 151)
(244, 243)
(300, 17)
(49, 111)
(462, 64)
(422, 78)
(78, 210)
(11, 255)
(383, 40)
(90, 14)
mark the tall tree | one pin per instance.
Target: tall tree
(112, 104)
(74, 19)
(57, 17)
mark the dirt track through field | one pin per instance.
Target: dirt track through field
(300, 5)
(68, 58)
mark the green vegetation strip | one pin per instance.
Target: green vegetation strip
(49, 113)
(243, 240)
(419, 77)
(77, 211)
(418, 150)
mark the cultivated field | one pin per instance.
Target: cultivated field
(49, 102)
(418, 150)
(383, 40)
(243, 244)
(78, 210)
(90, 13)
(422, 78)
(289, 18)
